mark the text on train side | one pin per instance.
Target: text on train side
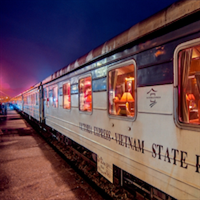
(137, 145)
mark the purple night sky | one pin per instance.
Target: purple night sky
(39, 37)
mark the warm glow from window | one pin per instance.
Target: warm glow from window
(66, 96)
(55, 97)
(85, 94)
(189, 85)
(121, 98)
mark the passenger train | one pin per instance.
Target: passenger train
(134, 102)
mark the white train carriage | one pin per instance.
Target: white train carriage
(135, 102)
(32, 103)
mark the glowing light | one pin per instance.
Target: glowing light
(130, 79)
(127, 97)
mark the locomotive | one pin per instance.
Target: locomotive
(134, 102)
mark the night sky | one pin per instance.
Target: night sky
(39, 37)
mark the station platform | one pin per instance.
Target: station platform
(31, 169)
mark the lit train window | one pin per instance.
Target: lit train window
(25, 100)
(50, 95)
(29, 99)
(46, 97)
(60, 96)
(85, 94)
(55, 97)
(189, 85)
(67, 96)
(121, 90)
(37, 99)
(32, 99)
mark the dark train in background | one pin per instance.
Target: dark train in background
(134, 102)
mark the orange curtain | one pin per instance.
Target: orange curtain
(185, 62)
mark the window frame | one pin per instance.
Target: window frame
(82, 77)
(67, 109)
(37, 98)
(180, 47)
(60, 97)
(115, 66)
(46, 96)
(53, 87)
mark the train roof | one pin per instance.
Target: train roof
(171, 14)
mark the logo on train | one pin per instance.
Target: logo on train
(152, 97)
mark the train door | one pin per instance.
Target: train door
(41, 104)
